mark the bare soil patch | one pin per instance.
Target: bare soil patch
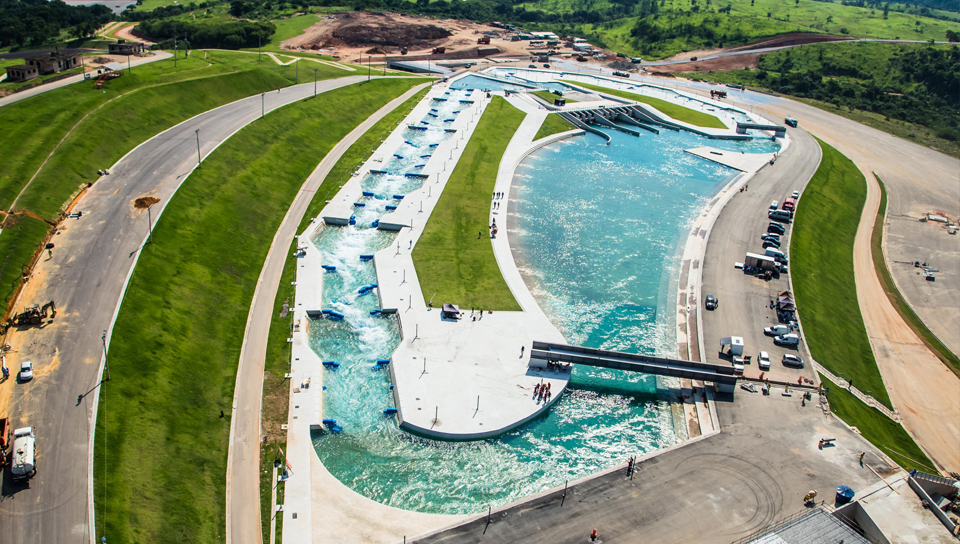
(741, 62)
(145, 202)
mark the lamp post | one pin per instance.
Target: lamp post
(106, 364)
(298, 71)
(262, 95)
(150, 224)
(315, 82)
(368, 67)
(199, 159)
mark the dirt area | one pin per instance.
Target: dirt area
(127, 33)
(352, 34)
(145, 202)
(740, 62)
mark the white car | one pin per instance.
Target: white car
(796, 194)
(792, 360)
(763, 360)
(738, 365)
(26, 371)
(791, 339)
(776, 330)
(774, 205)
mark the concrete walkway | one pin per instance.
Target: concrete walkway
(243, 459)
(40, 89)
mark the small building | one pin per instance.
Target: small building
(123, 47)
(54, 62)
(21, 72)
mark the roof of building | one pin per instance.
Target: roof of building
(814, 527)
(61, 54)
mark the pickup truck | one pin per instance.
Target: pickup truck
(23, 465)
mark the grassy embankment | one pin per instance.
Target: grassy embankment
(822, 268)
(451, 262)
(553, 124)
(175, 346)
(844, 79)
(128, 111)
(676, 111)
(887, 435)
(677, 28)
(275, 388)
(893, 294)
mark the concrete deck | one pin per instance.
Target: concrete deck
(744, 162)
(712, 490)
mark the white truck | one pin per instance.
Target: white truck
(23, 463)
(791, 339)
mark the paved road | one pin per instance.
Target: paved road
(744, 299)
(93, 258)
(724, 487)
(243, 459)
(40, 89)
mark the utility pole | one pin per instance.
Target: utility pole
(315, 82)
(298, 71)
(150, 224)
(128, 65)
(199, 159)
(262, 98)
(174, 51)
(259, 46)
(368, 67)
(384, 64)
(186, 46)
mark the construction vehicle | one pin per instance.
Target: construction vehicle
(403, 51)
(33, 315)
(484, 40)
(439, 50)
(581, 58)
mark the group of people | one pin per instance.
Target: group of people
(496, 196)
(542, 392)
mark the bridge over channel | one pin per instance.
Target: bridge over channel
(720, 375)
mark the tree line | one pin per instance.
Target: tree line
(35, 22)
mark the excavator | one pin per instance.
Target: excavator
(33, 315)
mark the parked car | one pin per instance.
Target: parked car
(791, 339)
(774, 205)
(782, 216)
(776, 330)
(712, 302)
(531, 66)
(776, 228)
(770, 236)
(26, 371)
(775, 244)
(546, 65)
(790, 121)
(737, 365)
(792, 360)
(763, 360)
(795, 194)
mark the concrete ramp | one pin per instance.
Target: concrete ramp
(744, 162)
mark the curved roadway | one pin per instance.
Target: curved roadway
(87, 275)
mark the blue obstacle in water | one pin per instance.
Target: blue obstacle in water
(368, 193)
(359, 204)
(331, 364)
(328, 267)
(425, 156)
(336, 316)
(398, 197)
(367, 256)
(390, 412)
(448, 120)
(375, 224)
(434, 109)
(425, 123)
(353, 220)
(391, 208)
(415, 127)
(419, 165)
(375, 313)
(440, 99)
(466, 101)
(434, 145)
(432, 114)
(456, 112)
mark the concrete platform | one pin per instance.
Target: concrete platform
(744, 162)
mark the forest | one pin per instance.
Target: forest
(34, 22)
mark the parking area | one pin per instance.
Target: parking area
(745, 299)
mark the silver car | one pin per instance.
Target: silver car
(792, 360)
(26, 371)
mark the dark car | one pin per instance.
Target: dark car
(532, 66)
(770, 236)
(771, 243)
(546, 65)
(712, 302)
(776, 228)
(790, 121)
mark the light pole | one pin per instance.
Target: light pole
(298, 71)
(199, 159)
(384, 64)
(150, 224)
(315, 82)
(262, 95)
(259, 46)
(106, 364)
(368, 67)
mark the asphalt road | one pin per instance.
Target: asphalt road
(744, 308)
(86, 276)
(717, 490)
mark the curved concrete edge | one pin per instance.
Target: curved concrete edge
(469, 437)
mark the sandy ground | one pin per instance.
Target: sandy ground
(739, 62)
(127, 33)
(464, 36)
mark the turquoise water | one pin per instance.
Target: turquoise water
(599, 260)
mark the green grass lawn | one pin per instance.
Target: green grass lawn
(553, 124)
(748, 21)
(893, 294)
(277, 363)
(128, 111)
(20, 239)
(887, 435)
(177, 340)
(286, 29)
(821, 250)
(451, 260)
(680, 113)
(550, 97)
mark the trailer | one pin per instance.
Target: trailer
(759, 262)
